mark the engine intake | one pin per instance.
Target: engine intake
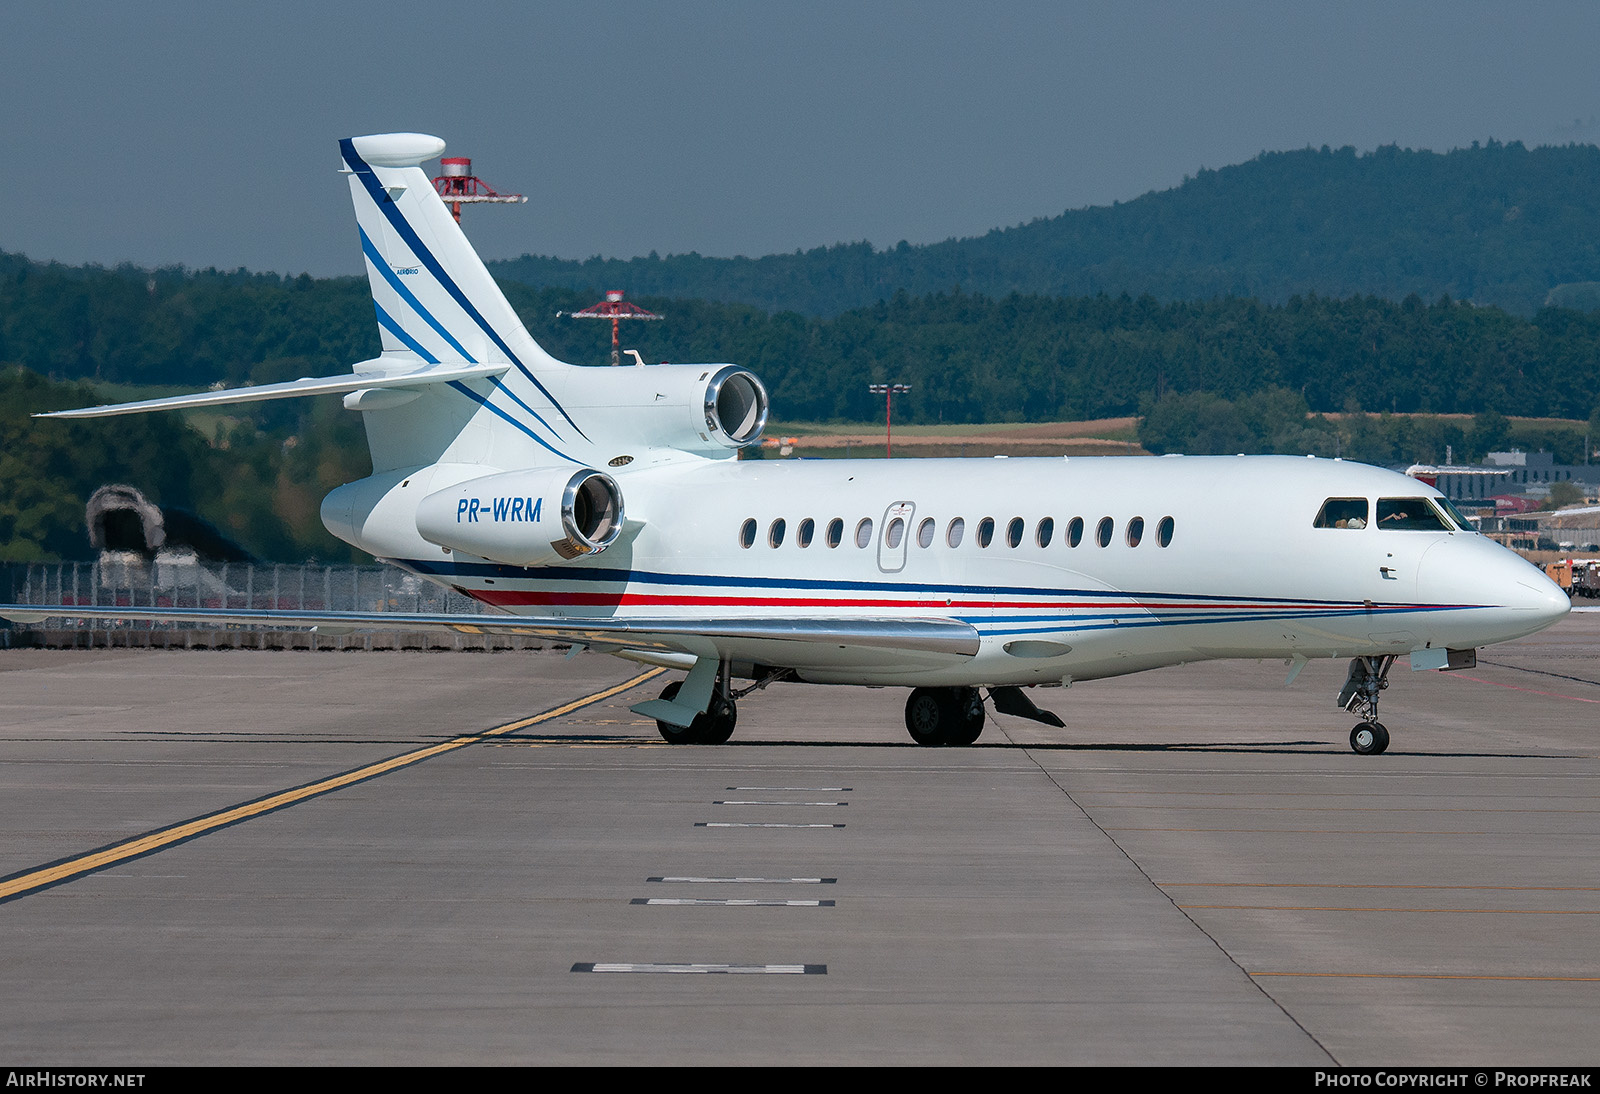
(736, 406)
(591, 513)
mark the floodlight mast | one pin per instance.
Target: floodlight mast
(888, 391)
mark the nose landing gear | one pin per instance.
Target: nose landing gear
(944, 716)
(1367, 678)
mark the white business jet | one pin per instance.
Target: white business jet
(606, 507)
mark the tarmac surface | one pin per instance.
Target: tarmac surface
(408, 858)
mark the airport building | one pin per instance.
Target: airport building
(1511, 472)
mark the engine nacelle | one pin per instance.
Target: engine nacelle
(525, 518)
(697, 408)
(735, 406)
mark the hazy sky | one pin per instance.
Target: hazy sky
(205, 134)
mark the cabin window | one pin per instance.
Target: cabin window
(835, 532)
(1014, 532)
(747, 534)
(925, 533)
(803, 534)
(1135, 531)
(893, 534)
(952, 534)
(864, 532)
(775, 533)
(1047, 528)
(985, 531)
(1342, 513)
(1164, 532)
(1075, 532)
(1409, 515)
(1102, 532)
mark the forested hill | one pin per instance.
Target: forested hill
(970, 358)
(1492, 224)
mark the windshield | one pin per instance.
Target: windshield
(1409, 515)
(1455, 514)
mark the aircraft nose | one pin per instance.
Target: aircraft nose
(1546, 600)
(1480, 572)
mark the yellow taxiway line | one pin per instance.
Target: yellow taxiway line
(30, 881)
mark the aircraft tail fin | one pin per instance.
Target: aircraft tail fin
(432, 293)
(436, 301)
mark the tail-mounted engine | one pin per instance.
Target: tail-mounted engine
(736, 407)
(697, 408)
(525, 518)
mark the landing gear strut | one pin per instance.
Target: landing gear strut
(1368, 676)
(944, 716)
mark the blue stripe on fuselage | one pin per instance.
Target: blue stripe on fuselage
(592, 574)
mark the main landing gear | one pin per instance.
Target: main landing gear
(954, 716)
(944, 716)
(713, 727)
(1368, 676)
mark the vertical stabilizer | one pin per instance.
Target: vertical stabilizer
(433, 295)
(436, 301)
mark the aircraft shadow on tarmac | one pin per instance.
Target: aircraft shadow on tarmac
(1289, 748)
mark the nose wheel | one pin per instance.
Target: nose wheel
(1367, 678)
(1369, 738)
(944, 716)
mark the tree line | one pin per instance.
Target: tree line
(969, 357)
(1313, 374)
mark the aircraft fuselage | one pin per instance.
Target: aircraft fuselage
(1069, 569)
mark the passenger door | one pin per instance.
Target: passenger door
(895, 537)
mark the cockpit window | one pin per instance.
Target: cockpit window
(1456, 515)
(1409, 515)
(1342, 513)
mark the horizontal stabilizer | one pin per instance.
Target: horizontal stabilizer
(417, 377)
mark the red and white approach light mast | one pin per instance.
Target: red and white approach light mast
(459, 186)
(614, 308)
(888, 391)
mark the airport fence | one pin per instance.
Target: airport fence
(134, 582)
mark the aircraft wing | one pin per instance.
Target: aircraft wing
(417, 377)
(787, 642)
